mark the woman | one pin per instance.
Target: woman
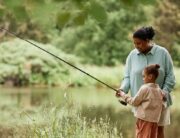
(146, 53)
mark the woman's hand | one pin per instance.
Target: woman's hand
(164, 95)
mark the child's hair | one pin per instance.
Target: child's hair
(152, 69)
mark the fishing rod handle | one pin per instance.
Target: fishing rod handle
(121, 101)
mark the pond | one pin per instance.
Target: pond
(94, 102)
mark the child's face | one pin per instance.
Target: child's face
(147, 78)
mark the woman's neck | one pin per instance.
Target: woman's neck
(148, 49)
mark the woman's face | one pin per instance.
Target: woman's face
(141, 45)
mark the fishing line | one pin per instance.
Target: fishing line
(32, 44)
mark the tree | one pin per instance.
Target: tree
(167, 23)
(15, 17)
(103, 42)
(101, 27)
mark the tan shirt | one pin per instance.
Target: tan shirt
(148, 102)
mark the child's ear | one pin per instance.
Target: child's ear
(150, 76)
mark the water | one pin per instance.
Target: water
(94, 103)
(33, 96)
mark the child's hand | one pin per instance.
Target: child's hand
(119, 93)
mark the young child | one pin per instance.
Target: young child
(148, 103)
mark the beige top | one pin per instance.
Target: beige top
(165, 116)
(148, 102)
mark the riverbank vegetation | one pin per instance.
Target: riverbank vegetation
(82, 112)
(44, 97)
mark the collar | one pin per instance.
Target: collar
(152, 84)
(152, 51)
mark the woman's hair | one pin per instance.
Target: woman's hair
(144, 33)
(152, 69)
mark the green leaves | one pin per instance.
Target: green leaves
(135, 3)
(98, 12)
(67, 18)
(17, 9)
(79, 13)
(35, 2)
(1, 12)
(62, 19)
(80, 18)
(20, 13)
(22, 61)
(12, 3)
(60, 13)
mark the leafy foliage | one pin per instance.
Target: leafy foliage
(93, 29)
(167, 23)
(22, 64)
(15, 16)
(104, 43)
(98, 12)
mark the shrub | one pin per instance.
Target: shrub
(22, 64)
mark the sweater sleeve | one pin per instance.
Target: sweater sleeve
(125, 85)
(137, 99)
(169, 80)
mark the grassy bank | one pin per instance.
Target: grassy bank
(82, 112)
(54, 121)
(68, 121)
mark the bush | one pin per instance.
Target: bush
(23, 64)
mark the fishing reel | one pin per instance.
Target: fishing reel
(122, 102)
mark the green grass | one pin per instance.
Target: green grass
(177, 74)
(54, 121)
(67, 122)
(81, 112)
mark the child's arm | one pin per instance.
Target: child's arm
(135, 101)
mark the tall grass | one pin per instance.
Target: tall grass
(67, 122)
(53, 121)
(177, 74)
(101, 117)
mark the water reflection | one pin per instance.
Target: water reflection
(25, 97)
(37, 96)
(95, 103)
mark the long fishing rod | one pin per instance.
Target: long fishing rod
(14, 34)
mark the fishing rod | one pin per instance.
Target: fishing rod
(14, 34)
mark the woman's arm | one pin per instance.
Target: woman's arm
(125, 85)
(169, 80)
